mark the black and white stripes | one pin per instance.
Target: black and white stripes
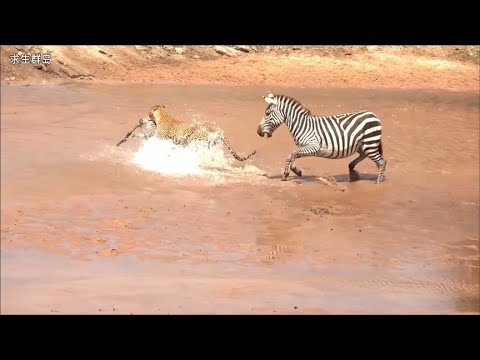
(332, 137)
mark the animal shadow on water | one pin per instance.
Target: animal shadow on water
(345, 178)
(339, 179)
(297, 179)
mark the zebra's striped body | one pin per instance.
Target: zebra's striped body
(333, 137)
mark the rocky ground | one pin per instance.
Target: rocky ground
(428, 67)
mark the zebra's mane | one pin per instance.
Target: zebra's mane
(296, 102)
(285, 98)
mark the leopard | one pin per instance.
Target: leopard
(164, 126)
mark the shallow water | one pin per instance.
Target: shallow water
(230, 235)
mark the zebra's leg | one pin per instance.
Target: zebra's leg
(304, 151)
(375, 154)
(381, 164)
(295, 170)
(354, 176)
(320, 153)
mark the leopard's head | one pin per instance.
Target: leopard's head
(158, 113)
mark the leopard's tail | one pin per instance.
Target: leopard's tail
(234, 153)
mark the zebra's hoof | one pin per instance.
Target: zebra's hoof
(284, 178)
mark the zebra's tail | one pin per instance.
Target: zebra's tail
(129, 133)
(234, 153)
(380, 148)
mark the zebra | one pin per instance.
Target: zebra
(333, 137)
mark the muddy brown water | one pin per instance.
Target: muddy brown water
(88, 227)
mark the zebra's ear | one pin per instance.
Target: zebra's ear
(270, 100)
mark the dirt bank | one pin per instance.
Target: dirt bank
(407, 67)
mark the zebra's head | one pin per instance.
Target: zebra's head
(144, 121)
(272, 118)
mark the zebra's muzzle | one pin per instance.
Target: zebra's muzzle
(261, 133)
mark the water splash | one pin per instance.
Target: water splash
(196, 159)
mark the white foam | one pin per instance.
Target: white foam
(196, 159)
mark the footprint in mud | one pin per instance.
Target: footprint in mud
(275, 252)
(279, 250)
(320, 211)
(323, 210)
